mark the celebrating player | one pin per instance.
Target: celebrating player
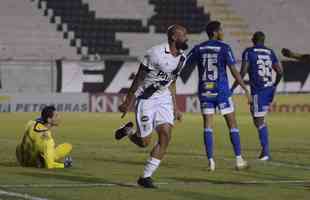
(259, 61)
(37, 148)
(154, 91)
(212, 57)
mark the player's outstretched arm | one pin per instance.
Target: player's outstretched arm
(243, 71)
(240, 81)
(125, 106)
(290, 54)
(177, 113)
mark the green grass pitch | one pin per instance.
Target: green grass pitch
(108, 169)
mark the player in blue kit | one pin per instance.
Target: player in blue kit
(212, 57)
(258, 61)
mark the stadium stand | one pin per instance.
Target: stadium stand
(26, 34)
(285, 22)
(77, 28)
(92, 27)
(121, 9)
(184, 12)
(98, 35)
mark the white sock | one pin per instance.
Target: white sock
(150, 167)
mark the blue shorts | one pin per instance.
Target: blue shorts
(261, 102)
(224, 104)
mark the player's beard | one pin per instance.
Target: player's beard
(181, 45)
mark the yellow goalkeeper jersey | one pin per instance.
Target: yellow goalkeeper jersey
(37, 146)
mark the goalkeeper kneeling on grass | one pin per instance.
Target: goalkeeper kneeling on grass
(37, 148)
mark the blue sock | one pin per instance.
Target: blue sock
(235, 140)
(208, 140)
(263, 137)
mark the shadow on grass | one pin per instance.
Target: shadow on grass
(202, 181)
(76, 179)
(204, 196)
(119, 161)
(9, 164)
(292, 164)
(191, 154)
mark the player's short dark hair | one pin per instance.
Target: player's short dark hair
(212, 27)
(258, 37)
(47, 112)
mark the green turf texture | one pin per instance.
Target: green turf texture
(98, 158)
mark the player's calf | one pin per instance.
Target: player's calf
(140, 142)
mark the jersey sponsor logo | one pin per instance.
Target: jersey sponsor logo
(262, 50)
(209, 94)
(44, 135)
(216, 49)
(209, 85)
(163, 75)
(145, 118)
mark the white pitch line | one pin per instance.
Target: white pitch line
(276, 182)
(19, 195)
(65, 185)
(289, 165)
(275, 163)
(85, 185)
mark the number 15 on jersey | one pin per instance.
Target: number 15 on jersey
(210, 64)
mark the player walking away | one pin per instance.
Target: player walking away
(259, 61)
(154, 92)
(37, 148)
(301, 57)
(212, 57)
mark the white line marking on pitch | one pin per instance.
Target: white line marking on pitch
(275, 163)
(19, 195)
(84, 185)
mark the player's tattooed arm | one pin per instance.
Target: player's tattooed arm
(125, 106)
(177, 113)
(240, 81)
(243, 71)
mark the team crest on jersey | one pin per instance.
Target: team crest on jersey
(145, 118)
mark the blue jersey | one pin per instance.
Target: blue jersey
(212, 57)
(260, 60)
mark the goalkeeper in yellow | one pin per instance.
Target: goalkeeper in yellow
(37, 148)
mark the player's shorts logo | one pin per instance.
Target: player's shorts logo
(222, 105)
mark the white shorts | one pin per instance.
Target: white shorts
(153, 112)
